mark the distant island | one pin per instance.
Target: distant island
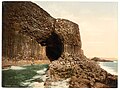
(101, 60)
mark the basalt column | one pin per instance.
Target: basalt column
(24, 27)
(70, 36)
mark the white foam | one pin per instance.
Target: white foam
(36, 76)
(29, 80)
(60, 84)
(42, 71)
(44, 77)
(17, 68)
(37, 85)
(6, 69)
(24, 83)
(108, 69)
(115, 61)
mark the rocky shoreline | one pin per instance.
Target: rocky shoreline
(30, 33)
(42, 80)
(38, 80)
(82, 74)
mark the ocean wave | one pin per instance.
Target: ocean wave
(115, 61)
(108, 69)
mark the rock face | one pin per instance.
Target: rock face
(27, 29)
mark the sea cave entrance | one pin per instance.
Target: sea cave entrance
(54, 47)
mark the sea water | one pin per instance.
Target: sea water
(110, 67)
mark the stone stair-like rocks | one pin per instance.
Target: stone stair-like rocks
(27, 28)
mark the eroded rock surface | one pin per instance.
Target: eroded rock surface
(83, 73)
(27, 28)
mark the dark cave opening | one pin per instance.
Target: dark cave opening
(54, 47)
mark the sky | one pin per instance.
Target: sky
(98, 24)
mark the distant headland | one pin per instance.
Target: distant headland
(103, 59)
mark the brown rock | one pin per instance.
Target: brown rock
(29, 32)
(100, 85)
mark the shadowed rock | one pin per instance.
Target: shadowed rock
(27, 28)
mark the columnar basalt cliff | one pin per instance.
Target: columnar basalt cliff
(27, 29)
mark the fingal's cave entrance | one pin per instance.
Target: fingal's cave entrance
(54, 47)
